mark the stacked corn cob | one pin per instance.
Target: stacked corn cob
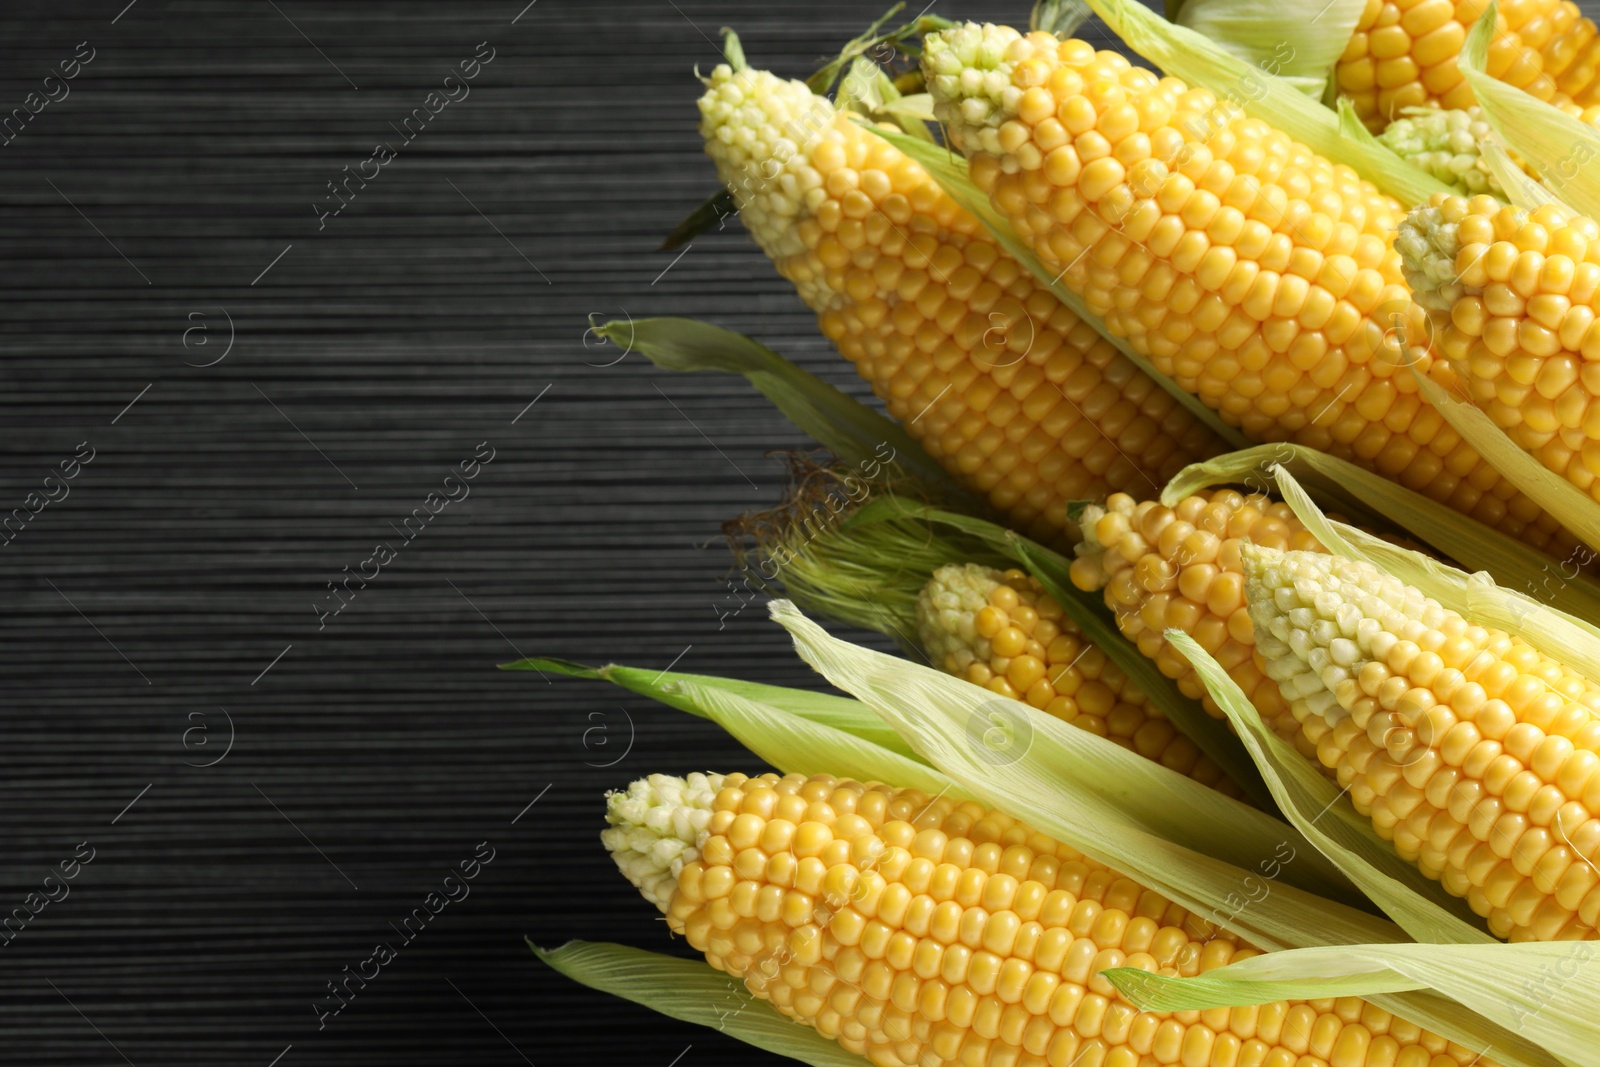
(1404, 54)
(1015, 395)
(918, 930)
(1258, 275)
(1001, 630)
(1514, 296)
(1475, 753)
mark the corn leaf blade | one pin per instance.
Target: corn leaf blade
(1296, 40)
(1544, 990)
(842, 424)
(694, 992)
(692, 693)
(1156, 825)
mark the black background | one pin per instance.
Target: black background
(182, 574)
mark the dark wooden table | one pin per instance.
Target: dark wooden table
(267, 393)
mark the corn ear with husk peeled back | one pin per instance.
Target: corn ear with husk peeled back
(1015, 395)
(1513, 296)
(1256, 274)
(1001, 630)
(927, 930)
(1476, 753)
(1404, 54)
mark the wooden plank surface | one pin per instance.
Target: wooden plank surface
(267, 395)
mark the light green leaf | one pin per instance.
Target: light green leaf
(686, 692)
(1185, 54)
(1570, 506)
(950, 172)
(1165, 830)
(1060, 17)
(843, 425)
(1545, 991)
(1088, 613)
(1298, 40)
(1522, 189)
(1320, 811)
(695, 992)
(1558, 147)
(1377, 502)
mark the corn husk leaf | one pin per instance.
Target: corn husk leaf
(1089, 614)
(1297, 40)
(1112, 804)
(689, 692)
(1242, 86)
(694, 992)
(1521, 189)
(1557, 146)
(950, 172)
(842, 424)
(869, 91)
(1377, 502)
(1570, 506)
(1321, 812)
(1543, 991)
(1060, 17)
(904, 39)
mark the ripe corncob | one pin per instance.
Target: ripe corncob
(1179, 568)
(1258, 275)
(1404, 54)
(1474, 752)
(928, 931)
(1014, 394)
(1513, 296)
(1001, 630)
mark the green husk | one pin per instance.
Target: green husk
(1159, 827)
(1521, 189)
(866, 89)
(1544, 990)
(687, 692)
(1570, 506)
(845, 426)
(712, 212)
(1297, 40)
(1088, 613)
(950, 172)
(902, 41)
(694, 992)
(1185, 54)
(1060, 17)
(1557, 146)
(1379, 503)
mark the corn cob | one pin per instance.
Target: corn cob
(917, 930)
(1258, 275)
(1513, 296)
(1404, 54)
(1001, 630)
(1015, 395)
(1179, 568)
(1475, 753)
